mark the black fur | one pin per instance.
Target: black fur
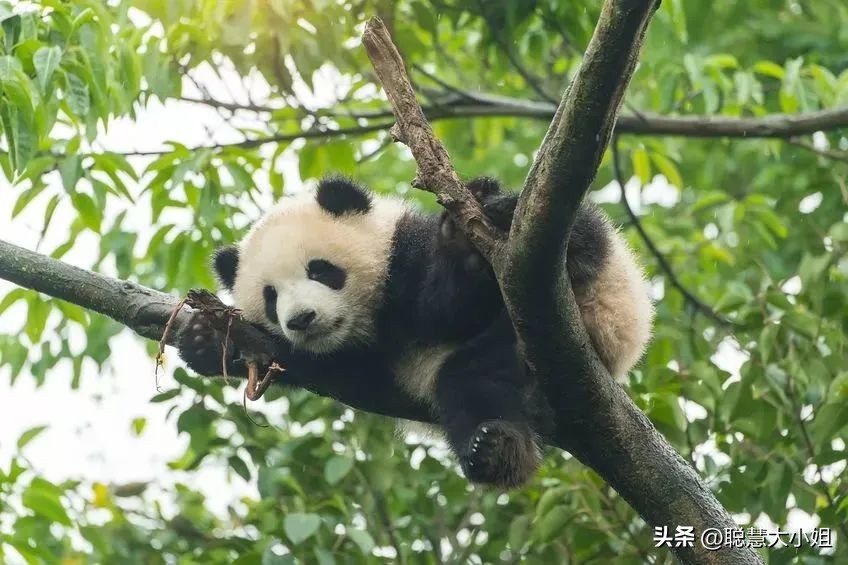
(439, 290)
(324, 272)
(339, 196)
(269, 296)
(226, 264)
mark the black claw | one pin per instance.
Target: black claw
(502, 454)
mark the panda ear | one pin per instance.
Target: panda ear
(339, 196)
(226, 263)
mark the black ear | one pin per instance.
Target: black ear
(226, 262)
(339, 196)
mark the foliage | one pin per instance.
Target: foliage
(756, 229)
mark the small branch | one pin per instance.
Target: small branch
(688, 296)
(824, 489)
(826, 153)
(280, 138)
(487, 105)
(229, 106)
(468, 104)
(435, 171)
(495, 30)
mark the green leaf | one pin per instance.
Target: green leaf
(813, 268)
(300, 526)
(641, 165)
(46, 60)
(518, 531)
(138, 425)
(10, 68)
(769, 68)
(362, 539)
(26, 197)
(667, 167)
(238, 465)
(42, 497)
(550, 498)
(89, 213)
(551, 524)
(11, 297)
(336, 468)
(271, 558)
(30, 435)
(78, 97)
(165, 396)
(829, 420)
(70, 169)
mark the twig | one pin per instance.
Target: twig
(230, 106)
(444, 84)
(377, 150)
(160, 356)
(811, 450)
(225, 345)
(280, 138)
(256, 388)
(495, 31)
(688, 296)
(827, 153)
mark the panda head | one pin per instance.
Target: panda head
(313, 269)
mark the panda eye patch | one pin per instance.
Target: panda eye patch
(269, 293)
(324, 272)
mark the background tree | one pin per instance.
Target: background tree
(744, 240)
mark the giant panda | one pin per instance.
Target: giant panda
(364, 289)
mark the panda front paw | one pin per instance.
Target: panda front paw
(453, 241)
(502, 454)
(201, 346)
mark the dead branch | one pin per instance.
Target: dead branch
(435, 171)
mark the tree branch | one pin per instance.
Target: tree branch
(594, 418)
(457, 104)
(147, 311)
(435, 171)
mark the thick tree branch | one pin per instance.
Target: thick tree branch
(147, 311)
(594, 418)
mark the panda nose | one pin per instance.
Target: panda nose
(301, 321)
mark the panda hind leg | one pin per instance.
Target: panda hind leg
(483, 409)
(487, 429)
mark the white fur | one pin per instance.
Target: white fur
(617, 310)
(418, 368)
(296, 231)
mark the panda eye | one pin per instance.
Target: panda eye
(269, 293)
(326, 273)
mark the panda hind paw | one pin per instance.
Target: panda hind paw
(502, 454)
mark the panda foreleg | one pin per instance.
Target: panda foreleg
(481, 396)
(201, 346)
